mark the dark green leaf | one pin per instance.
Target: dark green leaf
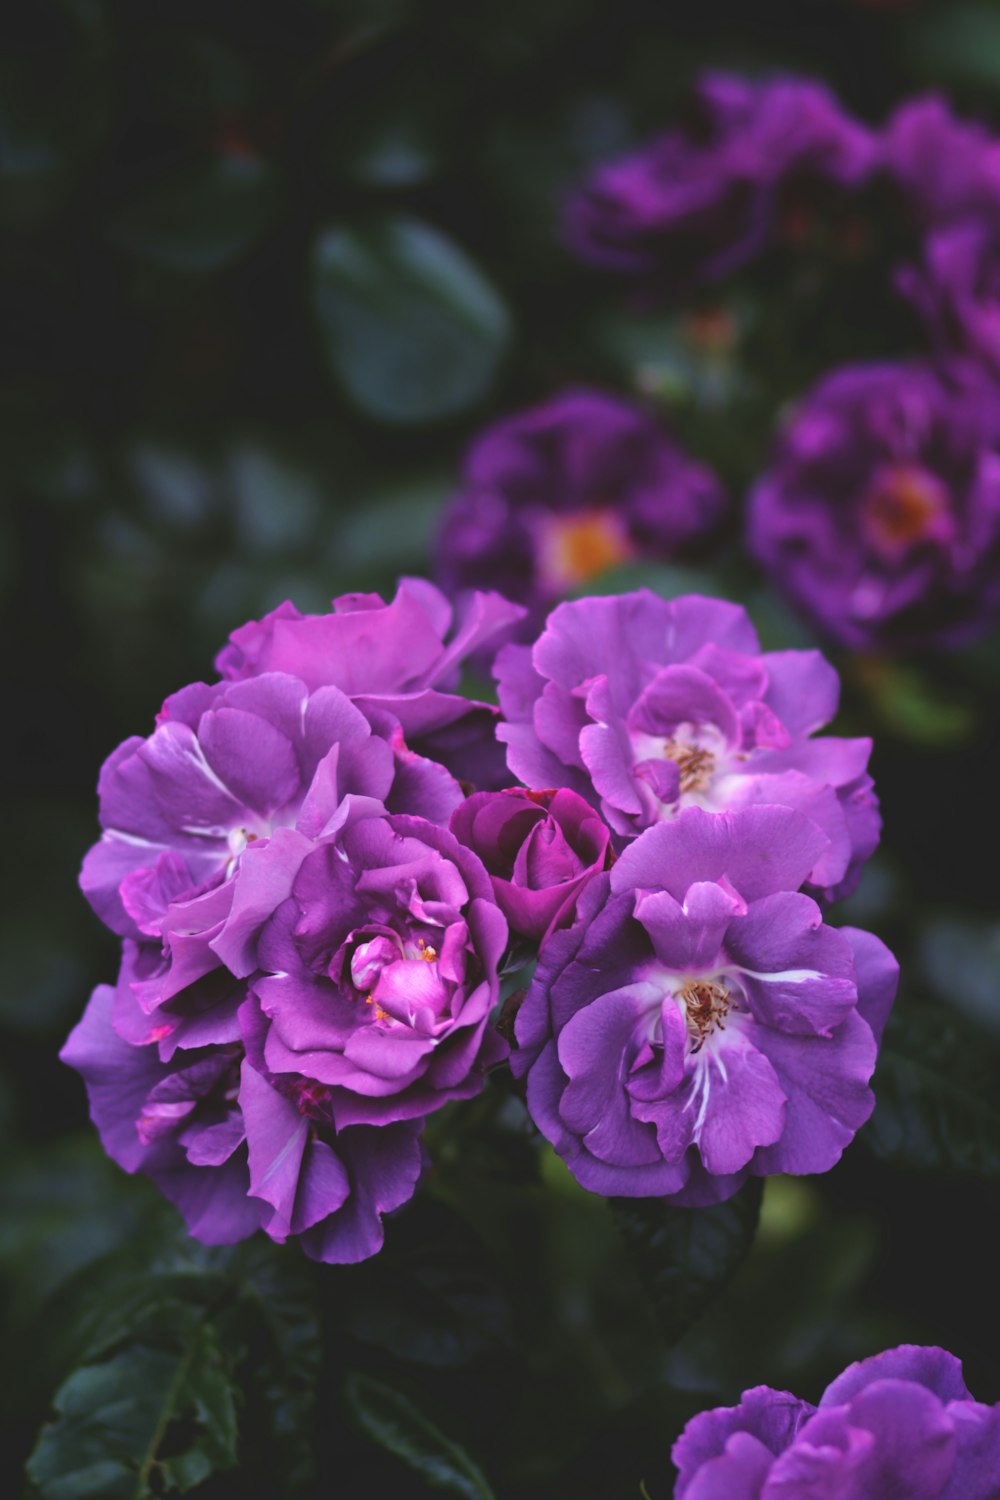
(431, 1297)
(685, 1256)
(200, 217)
(409, 324)
(224, 1321)
(113, 1420)
(936, 1095)
(286, 1354)
(391, 1420)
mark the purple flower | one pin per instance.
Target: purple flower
(880, 515)
(379, 972)
(268, 1060)
(702, 199)
(541, 850)
(235, 1153)
(645, 706)
(946, 169)
(228, 767)
(899, 1424)
(699, 1022)
(553, 495)
(957, 291)
(399, 663)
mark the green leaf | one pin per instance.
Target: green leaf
(935, 1089)
(200, 217)
(685, 1256)
(286, 1355)
(409, 325)
(960, 43)
(913, 704)
(231, 1324)
(113, 1421)
(431, 1297)
(391, 530)
(391, 1420)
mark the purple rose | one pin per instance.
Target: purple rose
(880, 515)
(540, 848)
(268, 1060)
(702, 199)
(946, 169)
(645, 706)
(379, 971)
(235, 1154)
(957, 291)
(899, 1424)
(553, 495)
(699, 1023)
(400, 663)
(228, 767)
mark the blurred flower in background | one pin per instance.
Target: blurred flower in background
(553, 496)
(956, 290)
(879, 517)
(945, 169)
(699, 201)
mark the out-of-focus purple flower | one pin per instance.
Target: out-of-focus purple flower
(957, 291)
(399, 663)
(702, 199)
(541, 850)
(645, 706)
(880, 515)
(699, 1022)
(947, 170)
(554, 495)
(272, 1068)
(901, 1423)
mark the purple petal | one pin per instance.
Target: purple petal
(878, 978)
(774, 1417)
(914, 1449)
(760, 850)
(826, 1083)
(935, 1369)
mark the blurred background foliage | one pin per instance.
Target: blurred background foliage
(264, 271)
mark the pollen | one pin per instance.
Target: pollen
(695, 764)
(905, 505)
(706, 1007)
(573, 548)
(427, 953)
(380, 1014)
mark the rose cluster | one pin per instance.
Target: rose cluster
(879, 516)
(310, 958)
(899, 1424)
(320, 869)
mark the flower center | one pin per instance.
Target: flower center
(388, 971)
(706, 1004)
(905, 505)
(574, 548)
(695, 764)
